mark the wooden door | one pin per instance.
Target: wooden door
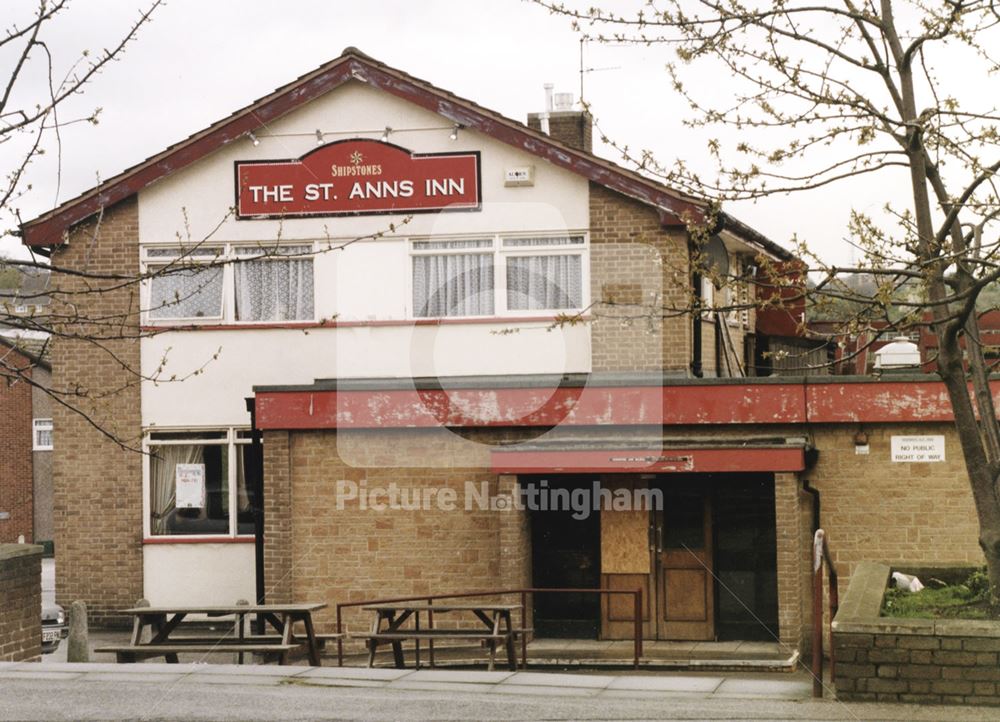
(684, 582)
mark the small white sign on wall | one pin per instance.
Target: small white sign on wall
(190, 486)
(917, 448)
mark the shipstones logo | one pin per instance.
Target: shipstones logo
(357, 167)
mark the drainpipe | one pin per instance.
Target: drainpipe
(255, 472)
(815, 495)
(696, 369)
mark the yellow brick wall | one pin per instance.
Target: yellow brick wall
(97, 483)
(639, 272)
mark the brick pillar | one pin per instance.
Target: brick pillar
(514, 535)
(789, 536)
(20, 603)
(277, 517)
(97, 482)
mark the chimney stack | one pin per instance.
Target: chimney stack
(560, 122)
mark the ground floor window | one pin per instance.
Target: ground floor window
(196, 483)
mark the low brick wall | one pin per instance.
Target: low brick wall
(20, 603)
(884, 659)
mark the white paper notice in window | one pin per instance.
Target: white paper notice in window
(190, 486)
(917, 448)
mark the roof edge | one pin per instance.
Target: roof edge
(49, 228)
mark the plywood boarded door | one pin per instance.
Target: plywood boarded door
(625, 561)
(684, 582)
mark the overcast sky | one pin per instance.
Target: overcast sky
(201, 59)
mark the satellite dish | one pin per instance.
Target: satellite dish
(714, 260)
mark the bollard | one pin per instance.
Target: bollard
(240, 628)
(77, 644)
(147, 633)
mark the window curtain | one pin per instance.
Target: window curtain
(269, 290)
(543, 282)
(161, 479)
(456, 285)
(186, 293)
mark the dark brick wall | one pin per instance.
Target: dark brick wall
(15, 450)
(20, 603)
(918, 668)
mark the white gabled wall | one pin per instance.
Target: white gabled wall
(366, 281)
(205, 191)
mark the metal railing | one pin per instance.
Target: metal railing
(821, 553)
(636, 595)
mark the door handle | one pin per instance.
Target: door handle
(659, 538)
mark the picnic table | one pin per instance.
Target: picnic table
(496, 628)
(164, 624)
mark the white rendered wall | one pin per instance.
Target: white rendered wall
(198, 574)
(287, 356)
(364, 282)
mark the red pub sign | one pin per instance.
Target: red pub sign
(354, 177)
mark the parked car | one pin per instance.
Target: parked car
(54, 627)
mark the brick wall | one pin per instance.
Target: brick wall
(15, 451)
(920, 661)
(871, 509)
(876, 510)
(97, 493)
(574, 127)
(639, 272)
(318, 551)
(20, 603)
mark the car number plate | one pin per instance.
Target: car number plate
(50, 635)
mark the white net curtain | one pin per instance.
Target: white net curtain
(274, 290)
(543, 282)
(453, 285)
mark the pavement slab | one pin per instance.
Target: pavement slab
(667, 683)
(592, 681)
(537, 690)
(450, 687)
(374, 674)
(462, 676)
(765, 687)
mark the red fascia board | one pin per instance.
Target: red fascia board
(715, 460)
(751, 403)
(921, 401)
(584, 406)
(49, 230)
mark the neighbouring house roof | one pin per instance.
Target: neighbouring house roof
(675, 208)
(35, 350)
(32, 288)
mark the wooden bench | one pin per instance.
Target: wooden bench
(134, 652)
(487, 639)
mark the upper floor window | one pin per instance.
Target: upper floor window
(230, 283)
(42, 435)
(478, 277)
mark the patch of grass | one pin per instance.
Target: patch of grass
(969, 600)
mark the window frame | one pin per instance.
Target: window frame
(233, 437)
(41, 424)
(228, 255)
(500, 255)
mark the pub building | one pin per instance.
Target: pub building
(422, 294)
